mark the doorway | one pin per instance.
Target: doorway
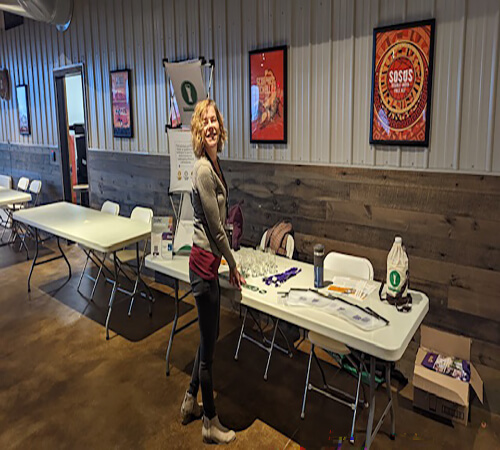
(72, 129)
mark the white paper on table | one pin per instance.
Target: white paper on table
(305, 298)
(354, 315)
(361, 288)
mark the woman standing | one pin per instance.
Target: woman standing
(210, 243)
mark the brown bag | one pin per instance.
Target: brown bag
(277, 236)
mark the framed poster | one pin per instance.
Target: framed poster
(121, 104)
(268, 95)
(402, 84)
(23, 109)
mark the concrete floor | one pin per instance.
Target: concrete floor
(62, 385)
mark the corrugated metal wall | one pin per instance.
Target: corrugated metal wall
(330, 55)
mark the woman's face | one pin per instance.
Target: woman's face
(211, 129)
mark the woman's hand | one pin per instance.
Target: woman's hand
(235, 278)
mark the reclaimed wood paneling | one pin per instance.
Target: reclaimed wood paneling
(454, 255)
(130, 180)
(35, 163)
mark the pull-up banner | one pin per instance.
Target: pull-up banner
(182, 160)
(189, 87)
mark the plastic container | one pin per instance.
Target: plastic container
(397, 269)
(319, 256)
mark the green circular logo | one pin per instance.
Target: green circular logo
(189, 93)
(395, 278)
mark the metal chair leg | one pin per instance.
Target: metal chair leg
(325, 384)
(271, 349)
(303, 413)
(97, 281)
(241, 334)
(83, 273)
(111, 299)
(389, 394)
(351, 438)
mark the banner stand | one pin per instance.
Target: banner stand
(184, 214)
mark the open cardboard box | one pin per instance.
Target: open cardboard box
(438, 393)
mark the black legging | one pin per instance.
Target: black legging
(207, 296)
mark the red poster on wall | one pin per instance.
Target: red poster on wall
(401, 84)
(268, 102)
(121, 103)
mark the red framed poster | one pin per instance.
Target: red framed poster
(402, 84)
(268, 95)
(121, 104)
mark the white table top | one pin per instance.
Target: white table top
(387, 343)
(93, 229)
(11, 197)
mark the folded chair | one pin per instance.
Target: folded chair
(24, 231)
(356, 267)
(22, 185)
(125, 257)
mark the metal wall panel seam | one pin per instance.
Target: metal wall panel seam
(111, 17)
(460, 86)
(42, 83)
(493, 89)
(3, 105)
(36, 83)
(131, 145)
(86, 36)
(13, 78)
(426, 151)
(99, 94)
(106, 24)
(159, 83)
(309, 82)
(120, 55)
(149, 79)
(49, 81)
(351, 86)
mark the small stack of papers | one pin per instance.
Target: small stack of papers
(353, 287)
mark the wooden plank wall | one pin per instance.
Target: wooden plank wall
(34, 162)
(131, 180)
(450, 224)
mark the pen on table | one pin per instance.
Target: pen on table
(378, 316)
(292, 289)
(367, 309)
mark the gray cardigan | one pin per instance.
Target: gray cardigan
(210, 211)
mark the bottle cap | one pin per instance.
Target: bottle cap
(398, 240)
(319, 248)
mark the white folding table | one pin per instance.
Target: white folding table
(385, 345)
(92, 229)
(12, 197)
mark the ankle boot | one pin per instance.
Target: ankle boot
(214, 433)
(190, 409)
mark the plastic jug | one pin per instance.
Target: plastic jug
(397, 270)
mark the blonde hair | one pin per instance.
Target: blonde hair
(197, 126)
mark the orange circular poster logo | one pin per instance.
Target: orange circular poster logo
(401, 84)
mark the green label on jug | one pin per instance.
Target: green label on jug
(395, 278)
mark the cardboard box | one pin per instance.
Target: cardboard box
(438, 393)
